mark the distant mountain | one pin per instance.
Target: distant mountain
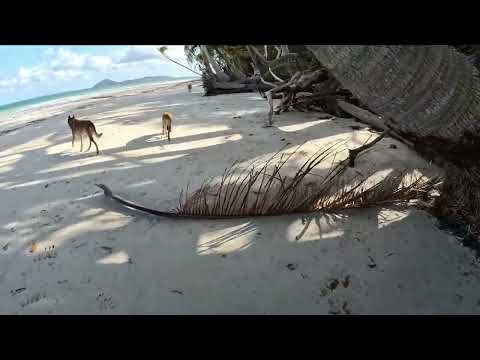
(107, 83)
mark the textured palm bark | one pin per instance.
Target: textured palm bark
(423, 90)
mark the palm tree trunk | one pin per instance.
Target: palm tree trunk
(186, 67)
(285, 50)
(420, 90)
(260, 64)
(162, 50)
(259, 57)
(279, 51)
(429, 94)
(237, 74)
(221, 76)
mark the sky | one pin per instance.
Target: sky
(31, 71)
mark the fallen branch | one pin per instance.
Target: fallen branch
(300, 81)
(275, 76)
(363, 115)
(373, 120)
(269, 95)
(353, 153)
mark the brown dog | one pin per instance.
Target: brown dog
(167, 124)
(189, 87)
(80, 127)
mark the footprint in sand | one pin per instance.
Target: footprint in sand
(104, 250)
(5, 247)
(14, 292)
(105, 302)
(49, 254)
(33, 299)
(339, 307)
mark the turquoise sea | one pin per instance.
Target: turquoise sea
(12, 108)
(20, 105)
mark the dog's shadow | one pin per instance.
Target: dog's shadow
(136, 144)
(77, 153)
(147, 141)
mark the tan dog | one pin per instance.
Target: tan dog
(80, 127)
(167, 124)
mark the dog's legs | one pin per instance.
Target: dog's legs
(73, 138)
(81, 143)
(90, 137)
(94, 143)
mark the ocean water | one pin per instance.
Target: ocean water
(13, 108)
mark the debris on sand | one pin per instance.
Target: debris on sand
(291, 266)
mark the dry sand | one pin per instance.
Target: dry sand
(65, 249)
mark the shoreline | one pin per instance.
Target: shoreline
(82, 93)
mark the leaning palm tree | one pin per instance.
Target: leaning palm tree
(422, 91)
(431, 96)
(225, 62)
(163, 51)
(212, 62)
(225, 68)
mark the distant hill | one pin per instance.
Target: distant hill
(104, 84)
(107, 83)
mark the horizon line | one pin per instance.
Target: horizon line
(88, 88)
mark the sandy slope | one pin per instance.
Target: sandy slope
(94, 257)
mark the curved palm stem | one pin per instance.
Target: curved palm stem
(163, 50)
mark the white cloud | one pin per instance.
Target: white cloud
(8, 85)
(62, 64)
(98, 62)
(64, 59)
(138, 53)
(58, 64)
(8, 82)
(176, 52)
(34, 74)
(43, 73)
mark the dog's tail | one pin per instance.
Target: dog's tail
(95, 131)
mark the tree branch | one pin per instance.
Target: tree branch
(353, 153)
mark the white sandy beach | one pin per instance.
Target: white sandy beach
(66, 249)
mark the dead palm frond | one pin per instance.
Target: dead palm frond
(262, 189)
